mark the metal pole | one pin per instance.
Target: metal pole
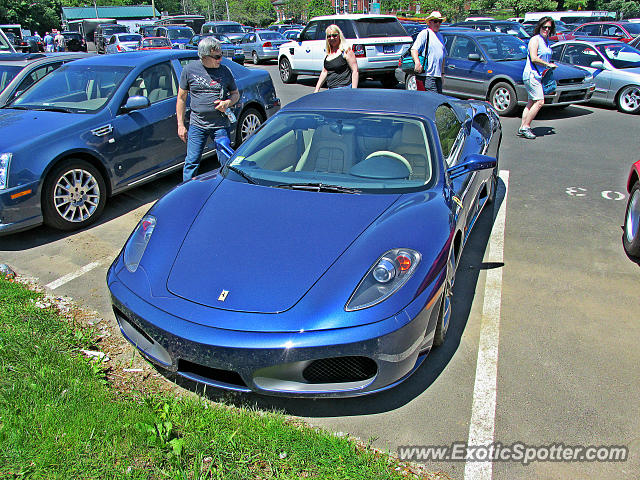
(228, 16)
(96, 7)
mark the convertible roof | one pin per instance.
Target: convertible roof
(404, 102)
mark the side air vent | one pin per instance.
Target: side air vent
(102, 131)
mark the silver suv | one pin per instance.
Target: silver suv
(378, 41)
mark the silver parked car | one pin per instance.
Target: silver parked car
(123, 42)
(615, 67)
(262, 45)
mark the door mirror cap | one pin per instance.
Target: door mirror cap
(225, 152)
(136, 102)
(474, 57)
(598, 64)
(472, 163)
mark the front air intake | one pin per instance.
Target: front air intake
(340, 370)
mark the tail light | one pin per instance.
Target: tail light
(267, 45)
(120, 49)
(359, 51)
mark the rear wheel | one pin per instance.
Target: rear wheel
(249, 122)
(256, 60)
(628, 100)
(286, 74)
(631, 228)
(74, 195)
(410, 82)
(503, 98)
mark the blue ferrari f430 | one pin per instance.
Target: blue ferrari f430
(320, 259)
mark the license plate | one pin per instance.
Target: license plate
(388, 49)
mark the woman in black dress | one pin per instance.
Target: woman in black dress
(340, 65)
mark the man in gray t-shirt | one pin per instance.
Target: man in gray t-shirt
(213, 90)
(428, 52)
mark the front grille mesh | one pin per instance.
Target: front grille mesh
(340, 369)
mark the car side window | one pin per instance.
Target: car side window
(462, 48)
(309, 33)
(36, 75)
(612, 31)
(580, 55)
(556, 53)
(156, 83)
(321, 33)
(448, 42)
(590, 30)
(347, 28)
(449, 128)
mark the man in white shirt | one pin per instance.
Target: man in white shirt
(428, 52)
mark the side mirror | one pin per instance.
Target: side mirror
(474, 57)
(136, 102)
(225, 152)
(472, 162)
(598, 64)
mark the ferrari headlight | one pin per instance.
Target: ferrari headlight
(135, 247)
(5, 158)
(384, 278)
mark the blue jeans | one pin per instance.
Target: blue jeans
(196, 141)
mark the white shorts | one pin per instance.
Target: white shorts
(534, 88)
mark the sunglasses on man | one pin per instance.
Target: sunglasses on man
(215, 57)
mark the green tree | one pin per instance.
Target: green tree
(295, 10)
(253, 12)
(452, 9)
(315, 8)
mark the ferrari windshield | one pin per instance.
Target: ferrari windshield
(337, 151)
(621, 55)
(503, 47)
(73, 88)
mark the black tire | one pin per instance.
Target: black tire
(628, 99)
(286, 74)
(389, 81)
(410, 82)
(503, 98)
(78, 206)
(249, 121)
(631, 228)
(444, 315)
(493, 187)
(254, 57)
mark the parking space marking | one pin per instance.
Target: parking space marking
(81, 271)
(483, 410)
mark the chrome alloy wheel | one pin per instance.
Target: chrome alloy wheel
(76, 195)
(630, 99)
(501, 99)
(250, 124)
(632, 222)
(410, 83)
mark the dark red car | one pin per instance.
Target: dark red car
(622, 31)
(155, 43)
(631, 228)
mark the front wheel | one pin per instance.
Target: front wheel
(503, 98)
(286, 73)
(410, 82)
(631, 228)
(629, 99)
(74, 195)
(249, 122)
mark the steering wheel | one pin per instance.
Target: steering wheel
(394, 155)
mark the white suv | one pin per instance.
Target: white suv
(378, 41)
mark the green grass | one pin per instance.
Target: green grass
(60, 420)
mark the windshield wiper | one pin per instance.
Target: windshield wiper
(53, 109)
(318, 187)
(248, 178)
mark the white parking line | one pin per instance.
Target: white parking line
(81, 271)
(483, 410)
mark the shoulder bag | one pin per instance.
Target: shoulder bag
(408, 65)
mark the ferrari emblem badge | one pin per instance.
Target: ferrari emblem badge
(223, 295)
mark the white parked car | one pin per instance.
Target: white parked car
(378, 41)
(123, 42)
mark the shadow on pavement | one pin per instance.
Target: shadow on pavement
(465, 286)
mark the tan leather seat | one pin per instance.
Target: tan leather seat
(410, 143)
(329, 152)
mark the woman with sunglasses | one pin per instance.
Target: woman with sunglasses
(538, 59)
(213, 90)
(340, 68)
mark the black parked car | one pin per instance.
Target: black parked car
(74, 42)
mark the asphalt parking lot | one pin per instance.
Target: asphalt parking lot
(542, 349)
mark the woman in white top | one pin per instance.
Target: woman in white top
(538, 59)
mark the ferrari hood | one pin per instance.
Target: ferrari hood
(266, 246)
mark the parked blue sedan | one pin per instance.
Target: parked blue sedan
(320, 260)
(100, 125)
(489, 66)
